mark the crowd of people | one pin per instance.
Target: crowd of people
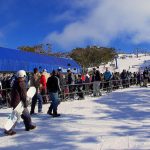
(75, 85)
(58, 86)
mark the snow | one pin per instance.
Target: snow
(119, 120)
(132, 64)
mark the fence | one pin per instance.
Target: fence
(98, 87)
(78, 91)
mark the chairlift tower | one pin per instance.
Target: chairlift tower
(116, 58)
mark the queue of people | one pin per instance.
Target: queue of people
(75, 85)
(57, 85)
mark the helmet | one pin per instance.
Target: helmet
(21, 74)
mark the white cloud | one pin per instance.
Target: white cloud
(105, 21)
(65, 16)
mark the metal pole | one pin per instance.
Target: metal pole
(116, 62)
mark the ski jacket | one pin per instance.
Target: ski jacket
(70, 79)
(83, 77)
(18, 93)
(87, 78)
(145, 74)
(53, 84)
(139, 76)
(35, 81)
(124, 75)
(107, 75)
(43, 82)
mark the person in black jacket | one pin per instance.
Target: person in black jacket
(79, 85)
(19, 94)
(145, 77)
(53, 88)
(70, 82)
(124, 78)
(96, 78)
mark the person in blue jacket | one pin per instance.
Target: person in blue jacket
(107, 78)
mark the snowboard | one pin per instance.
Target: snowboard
(16, 113)
(30, 93)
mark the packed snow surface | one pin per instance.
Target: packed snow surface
(119, 120)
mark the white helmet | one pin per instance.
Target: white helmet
(21, 74)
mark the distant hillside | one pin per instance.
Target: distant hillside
(130, 62)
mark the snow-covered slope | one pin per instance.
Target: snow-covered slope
(130, 62)
(133, 63)
(120, 120)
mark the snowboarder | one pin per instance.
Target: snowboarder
(19, 93)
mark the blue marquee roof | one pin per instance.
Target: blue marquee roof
(14, 60)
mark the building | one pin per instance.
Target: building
(12, 60)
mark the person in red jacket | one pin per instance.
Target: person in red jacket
(83, 77)
(43, 82)
(43, 88)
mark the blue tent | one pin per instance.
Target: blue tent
(14, 60)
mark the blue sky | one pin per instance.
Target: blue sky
(66, 24)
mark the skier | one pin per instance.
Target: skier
(19, 93)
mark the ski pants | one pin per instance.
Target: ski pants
(55, 101)
(26, 119)
(36, 97)
(96, 88)
(145, 82)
